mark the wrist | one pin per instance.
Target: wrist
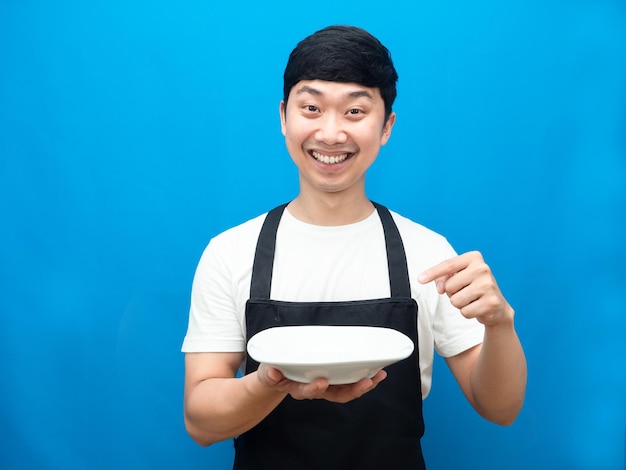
(503, 322)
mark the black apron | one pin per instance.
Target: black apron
(381, 429)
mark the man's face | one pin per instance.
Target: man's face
(333, 132)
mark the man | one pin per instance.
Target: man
(331, 256)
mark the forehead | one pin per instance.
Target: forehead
(334, 90)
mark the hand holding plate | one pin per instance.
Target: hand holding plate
(318, 388)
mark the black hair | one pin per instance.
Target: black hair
(343, 54)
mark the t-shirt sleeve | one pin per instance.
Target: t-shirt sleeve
(214, 325)
(453, 332)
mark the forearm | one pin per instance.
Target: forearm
(498, 379)
(222, 408)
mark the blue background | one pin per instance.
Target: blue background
(133, 131)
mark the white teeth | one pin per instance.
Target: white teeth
(329, 160)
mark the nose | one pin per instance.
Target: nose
(330, 130)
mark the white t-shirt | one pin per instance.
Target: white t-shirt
(321, 263)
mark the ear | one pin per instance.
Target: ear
(283, 117)
(391, 120)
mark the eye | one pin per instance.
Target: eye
(311, 108)
(355, 112)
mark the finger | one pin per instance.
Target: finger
(463, 297)
(374, 381)
(348, 392)
(449, 267)
(458, 282)
(363, 386)
(443, 270)
(368, 384)
(441, 283)
(379, 376)
(317, 388)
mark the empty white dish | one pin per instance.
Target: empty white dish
(341, 354)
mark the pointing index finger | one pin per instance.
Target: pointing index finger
(444, 269)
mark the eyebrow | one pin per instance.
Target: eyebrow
(351, 94)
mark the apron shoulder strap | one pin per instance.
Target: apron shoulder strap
(261, 282)
(262, 268)
(399, 282)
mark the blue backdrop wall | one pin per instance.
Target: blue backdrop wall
(133, 131)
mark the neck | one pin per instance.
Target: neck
(331, 209)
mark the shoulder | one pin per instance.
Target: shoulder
(246, 231)
(406, 225)
(422, 243)
(232, 249)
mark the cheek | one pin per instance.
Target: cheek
(294, 133)
(372, 136)
(292, 141)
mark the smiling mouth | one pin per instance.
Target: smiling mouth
(329, 159)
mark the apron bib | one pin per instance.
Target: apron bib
(381, 429)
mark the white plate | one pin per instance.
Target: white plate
(342, 354)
